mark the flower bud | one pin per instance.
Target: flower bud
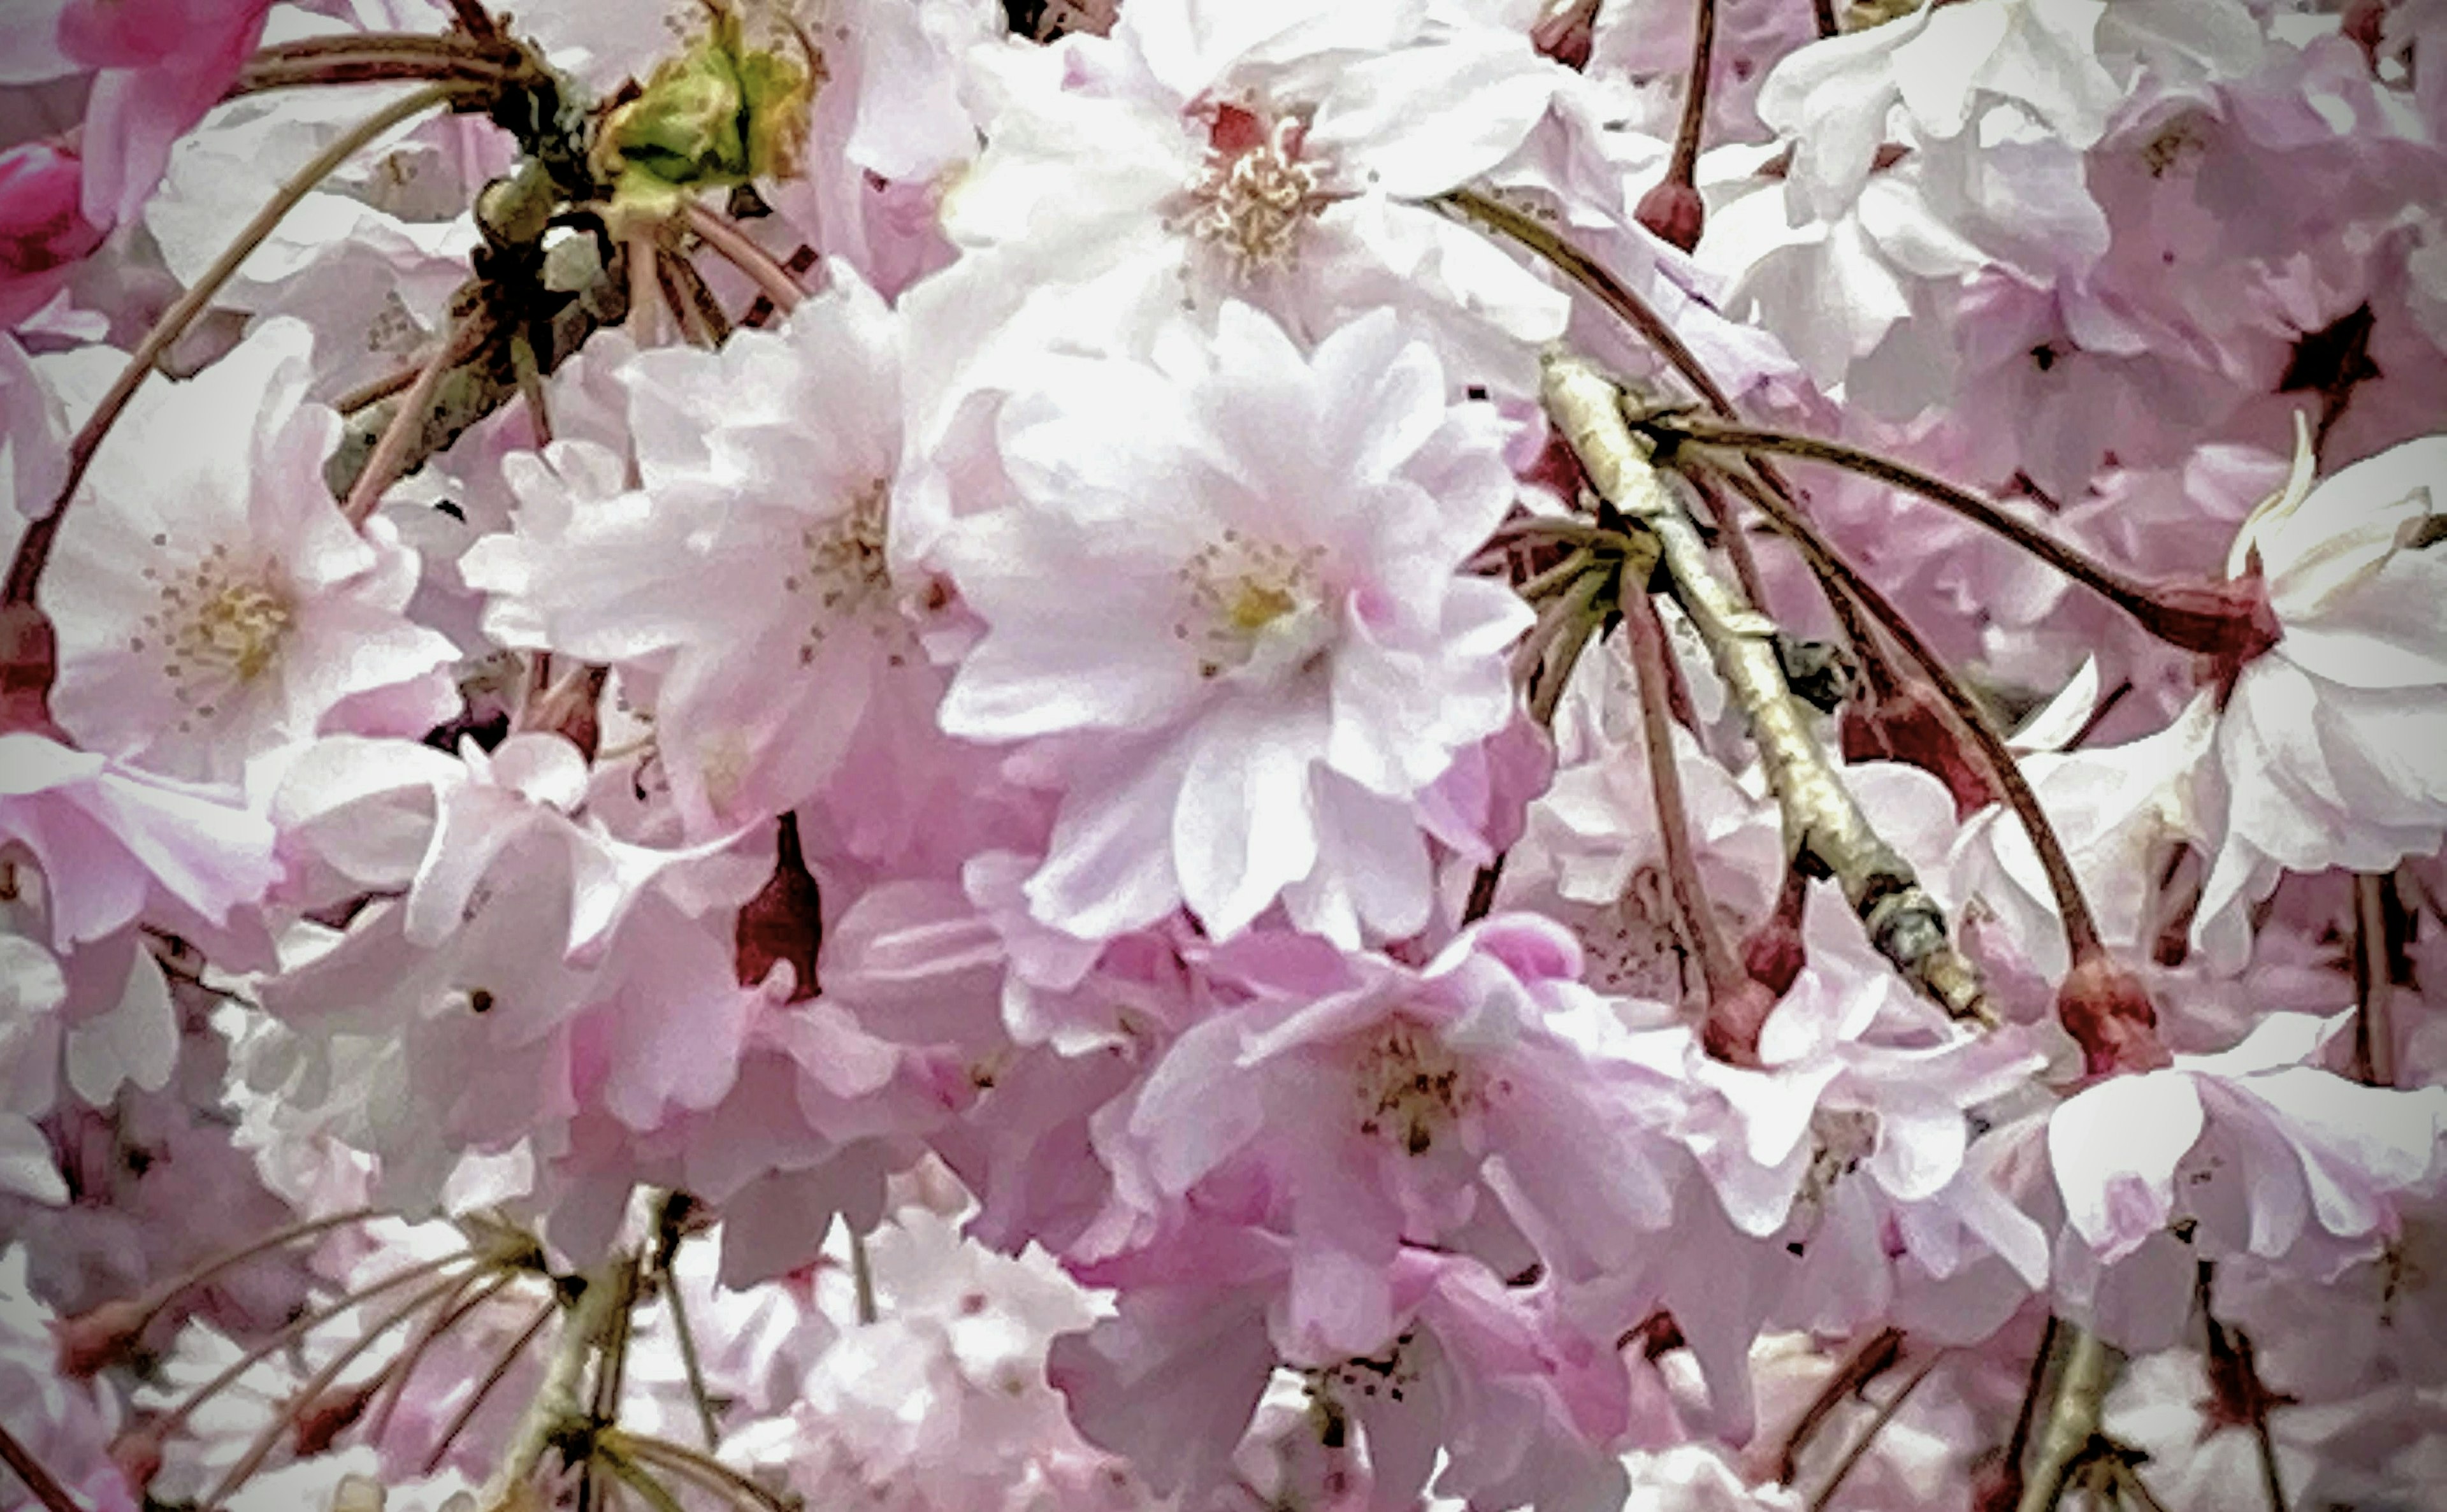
(784, 921)
(1673, 213)
(2108, 1013)
(28, 662)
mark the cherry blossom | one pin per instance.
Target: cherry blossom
(1279, 626)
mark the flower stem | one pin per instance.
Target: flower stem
(1590, 275)
(1872, 1358)
(296, 1329)
(306, 1395)
(35, 547)
(40, 1482)
(1859, 1449)
(2374, 982)
(723, 235)
(443, 1321)
(1682, 167)
(2178, 625)
(680, 1457)
(170, 1292)
(484, 1388)
(1722, 974)
(388, 462)
(861, 1274)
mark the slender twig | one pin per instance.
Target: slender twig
(2082, 938)
(723, 235)
(1482, 890)
(493, 1378)
(396, 43)
(341, 68)
(390, 454)
(413, 1355)
(171, 1291)
(1654, 672)
(2073, 1416)
(2132, 598)
(35, 547)
(40, 1482)
(2374, 982)
(1824, 829)
(2128, 1483)
(295, 1328)
(366, 395)
(1682, 167)
(1872, 1358)
(677, 1455)
(861, 1276)
(1860, 1447)
(1592, 276)
(635, 1476)
(689, 1362)
(306, 1395)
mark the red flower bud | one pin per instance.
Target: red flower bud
(2107, 1011)
(1673, 213)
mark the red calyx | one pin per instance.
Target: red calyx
(784, 921)
(137, 1452)
(2365, 21)
(1566, 33)
(1905, 723)
(29, 662)
(99, 1338)
(332, 1414)
(2231, 623)
(1774, 955)
(1735, 1018)
(2108, 1013)
(1673, 213)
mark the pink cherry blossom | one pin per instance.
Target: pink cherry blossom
(1265, 727)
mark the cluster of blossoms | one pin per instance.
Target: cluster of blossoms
(976, 756)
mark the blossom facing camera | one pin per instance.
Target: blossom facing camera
(1230, 583)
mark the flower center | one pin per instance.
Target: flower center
(1254, 193)
(2174, 149)
(1388, 1374)
(1410, 1088)
(1252, 608)
(845, 575)
(217, 628)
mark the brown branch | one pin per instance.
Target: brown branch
(1824, 829)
